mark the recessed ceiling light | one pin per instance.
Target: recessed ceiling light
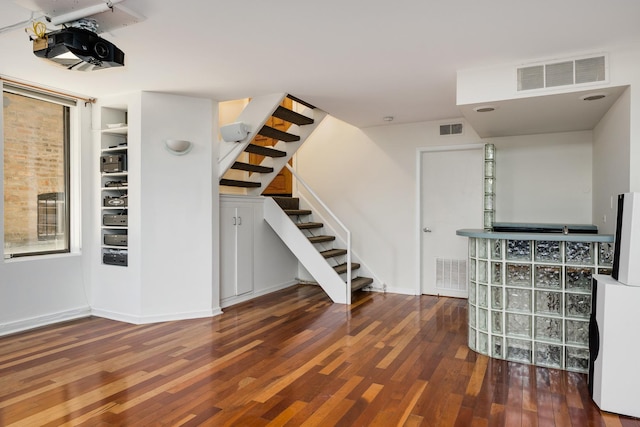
(388, 118)
(484, 109)
(593, 96)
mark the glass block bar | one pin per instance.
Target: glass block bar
(577, 332)
(496, 273)
(518, 299)
(579, 253)
(482, 271)
(518, 274)
(549, 355)
(496, 249)
(518, 350)
(548, 251)
(577, 305)
(483, 343)
(482, 320)
(519, 250)
(482, 248)
(548, 329)
(577, 359)
(578, 279)
(518, 325)
(496, 322)
(530, 300)
(549, 302)
(605, 253)
(496, 297)
(482, 296)
(547, 276)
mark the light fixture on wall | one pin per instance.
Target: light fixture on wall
(178, 147)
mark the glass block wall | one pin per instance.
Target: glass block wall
(530, 300)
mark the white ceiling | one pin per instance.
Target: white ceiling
(359, 60)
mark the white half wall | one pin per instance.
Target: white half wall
(544, 178)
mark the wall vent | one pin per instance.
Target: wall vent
(451, 274)
(562, 73)
(451, 129)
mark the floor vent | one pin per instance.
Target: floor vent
(563, 73)
(451, 274)
(451, 129)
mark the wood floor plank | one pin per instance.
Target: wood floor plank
(287, 358)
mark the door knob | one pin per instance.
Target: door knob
(426, 230)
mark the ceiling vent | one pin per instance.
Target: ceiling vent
(563, 73)
(451, 129)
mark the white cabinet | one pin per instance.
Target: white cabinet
(236, 250)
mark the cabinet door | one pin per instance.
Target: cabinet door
(227, 252)
(244, 250)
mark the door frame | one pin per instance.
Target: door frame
(419, 152)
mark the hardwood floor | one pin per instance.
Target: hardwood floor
(289, 358)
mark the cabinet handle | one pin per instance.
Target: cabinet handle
(239, 220)
(234, 220)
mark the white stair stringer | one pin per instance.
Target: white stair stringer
(364, 270)
(290, 148)
(307, 254)
(255, 115)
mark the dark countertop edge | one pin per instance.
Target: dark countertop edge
(572, 237)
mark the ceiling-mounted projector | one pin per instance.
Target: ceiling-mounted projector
(78, 49)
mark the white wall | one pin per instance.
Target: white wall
(36, 291)
(176, 207)
(368, 178)
(544, 178)
(611, 157)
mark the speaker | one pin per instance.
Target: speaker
(614, 374)
(626, 268)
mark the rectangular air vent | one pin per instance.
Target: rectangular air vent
(562, 73)
(451, 129)
(451, 274)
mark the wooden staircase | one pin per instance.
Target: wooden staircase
(258, 176)
(313, 231)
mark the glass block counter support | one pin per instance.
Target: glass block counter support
(530, 295)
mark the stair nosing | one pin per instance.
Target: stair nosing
(249, 167)
(264, 151)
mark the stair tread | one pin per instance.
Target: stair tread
(251, 167)
(264, 151)
(297, 211)
(321, 239)
(270, 132)
(333, 252)
(360, 282)
(342, 268)
(307, 225)
(239, 183)
(287, 202)
(300, 101)
(292, 116)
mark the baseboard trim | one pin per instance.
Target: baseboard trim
(246, 297)
(155, 318)
(40, 321)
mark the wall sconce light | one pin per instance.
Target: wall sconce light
(178, 147)
(234, 132)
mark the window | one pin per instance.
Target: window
(37, 133)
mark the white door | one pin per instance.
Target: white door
(451, 196)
